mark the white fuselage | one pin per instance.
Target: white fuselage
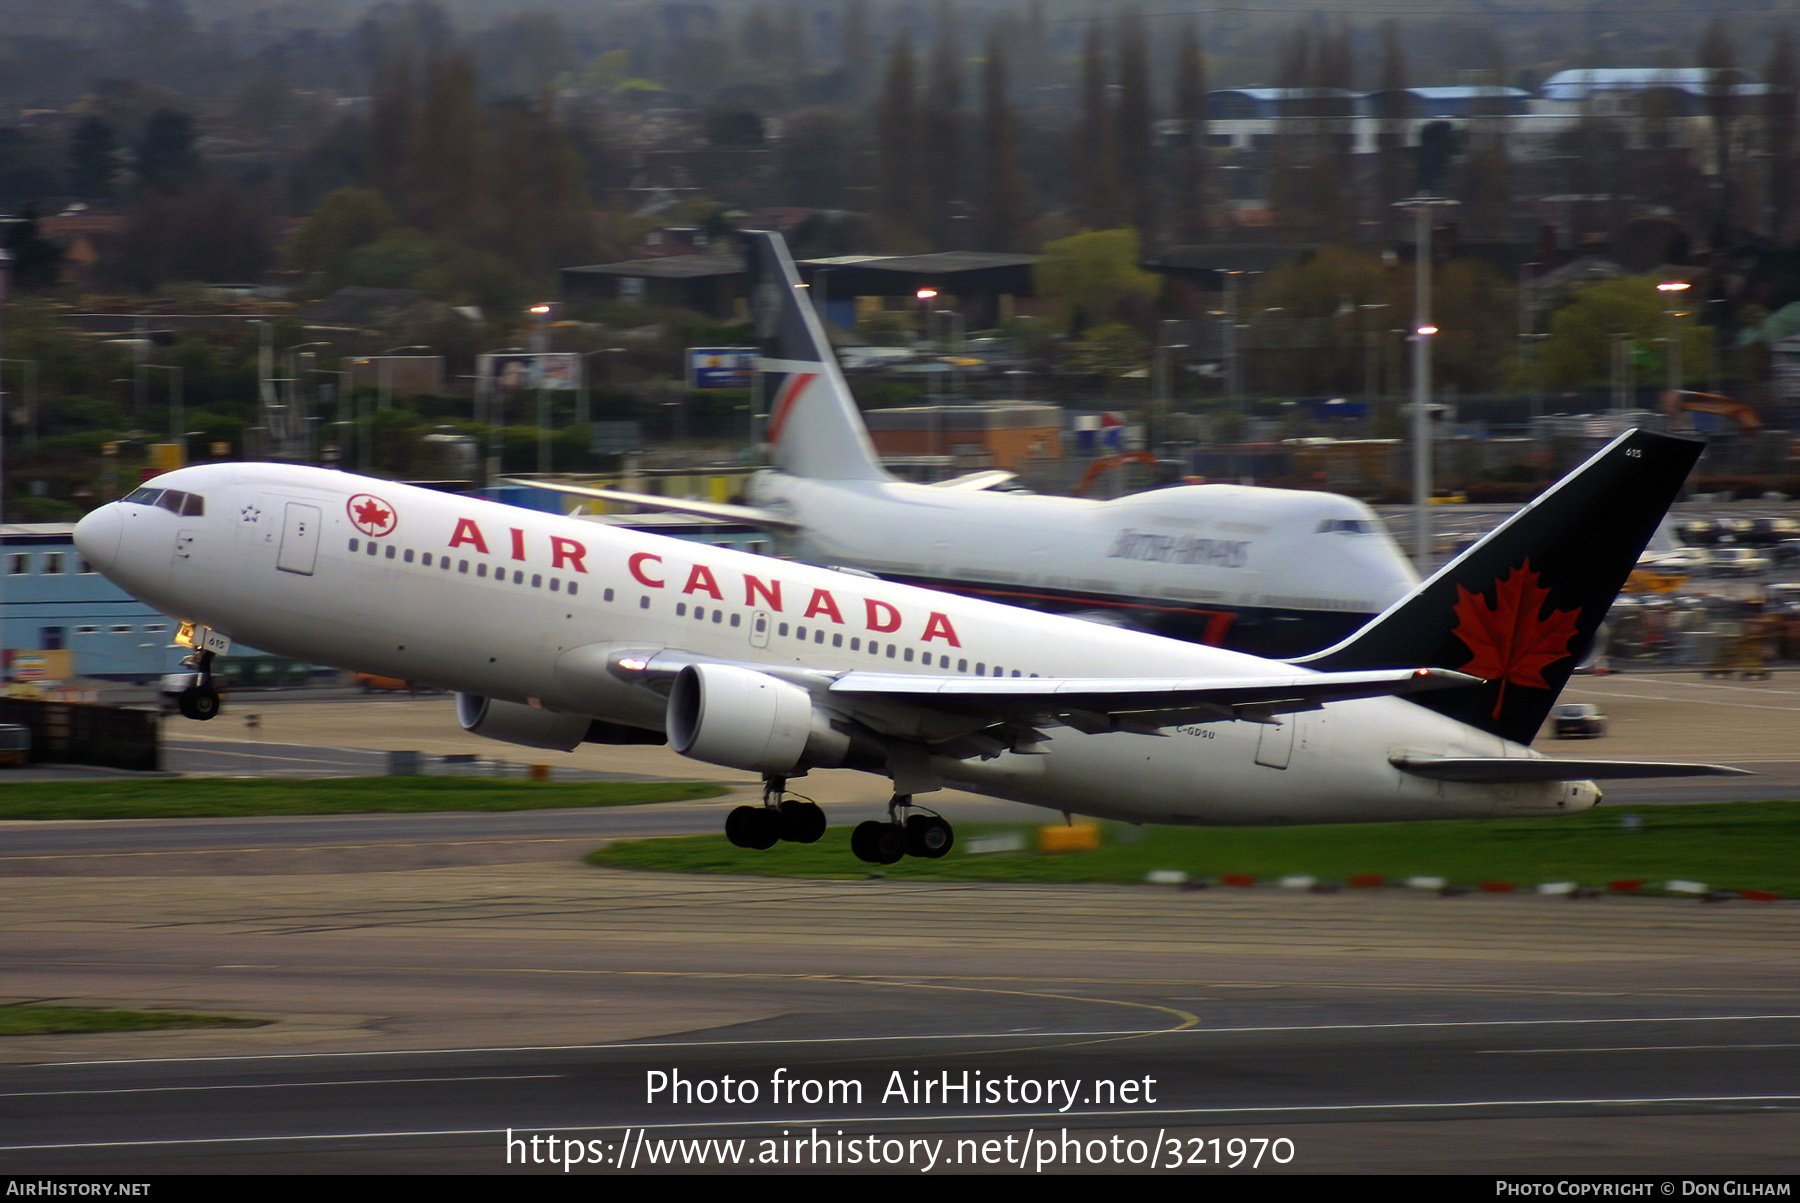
(1317, 560)
(527, 607)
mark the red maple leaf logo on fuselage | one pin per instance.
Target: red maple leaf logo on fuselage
(371, 514)
(1514, 640)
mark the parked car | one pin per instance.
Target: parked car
(1691, 560)
(376, 683)
(1739, 561)
(15, 744)
(1579, 720)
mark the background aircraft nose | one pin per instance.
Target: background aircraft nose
(97, 536)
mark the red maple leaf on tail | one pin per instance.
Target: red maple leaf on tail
(1513, 641)
(371, 514)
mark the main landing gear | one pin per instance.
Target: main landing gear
(926, 835)
(795, 819)
(199, 700)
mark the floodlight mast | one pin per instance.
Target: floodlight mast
(1422, 333)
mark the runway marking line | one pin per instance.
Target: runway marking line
(533, 839)
(1651, 697)
(815, 1040)
(43, 1094)
(1638, 1048)
(813, 1121)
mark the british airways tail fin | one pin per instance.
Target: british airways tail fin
(1519, 609)
(814, 428)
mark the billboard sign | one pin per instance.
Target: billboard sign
(721, 367)
(510, 371)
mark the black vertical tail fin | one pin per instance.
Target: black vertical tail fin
(814, 427)
(1520, 608)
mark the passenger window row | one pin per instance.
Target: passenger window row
(445, 563)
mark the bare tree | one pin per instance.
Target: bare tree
(1192, 198)
(1003, 218)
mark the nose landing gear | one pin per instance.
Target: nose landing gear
(199, 700)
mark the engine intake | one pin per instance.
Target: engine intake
(745, 719)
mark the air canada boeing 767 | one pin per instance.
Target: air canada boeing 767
(554, 631)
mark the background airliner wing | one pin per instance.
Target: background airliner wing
(1147, 703)
(975, 481)
(726, 512)
(1495, 770)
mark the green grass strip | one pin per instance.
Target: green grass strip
(211, 797)
(31, 1019)
(1735, 845)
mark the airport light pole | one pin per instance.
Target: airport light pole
(1423, 207)
(31, 397)
(1672, 290)
(925, 297)
(540, 346)
(6, 266)
(296, 395)
(384, 372)
(177, 414)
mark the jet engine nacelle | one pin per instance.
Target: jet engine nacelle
(745, 719)
(509, 722)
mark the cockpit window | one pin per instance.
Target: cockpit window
(187, 505)
(1347, 526)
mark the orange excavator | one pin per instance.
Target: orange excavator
(1105, 464)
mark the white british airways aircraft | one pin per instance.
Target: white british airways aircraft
(1277, 572)
(556, 631)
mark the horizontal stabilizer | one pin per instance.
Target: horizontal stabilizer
(1496, 770)
(723, 511)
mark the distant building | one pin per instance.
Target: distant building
(981, 285)
(712, 284)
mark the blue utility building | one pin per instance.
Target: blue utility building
(51, 599)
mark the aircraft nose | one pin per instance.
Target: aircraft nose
(97, 536)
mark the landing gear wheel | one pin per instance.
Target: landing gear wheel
(878, 843)
(928, 836)
(753, 827)
(802, 822)
(198, 702)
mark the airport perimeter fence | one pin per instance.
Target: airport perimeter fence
(1717, 636)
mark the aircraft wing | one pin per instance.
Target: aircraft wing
(1144, 704)
(725, 512)
(1497, 770)
(1139, 703)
